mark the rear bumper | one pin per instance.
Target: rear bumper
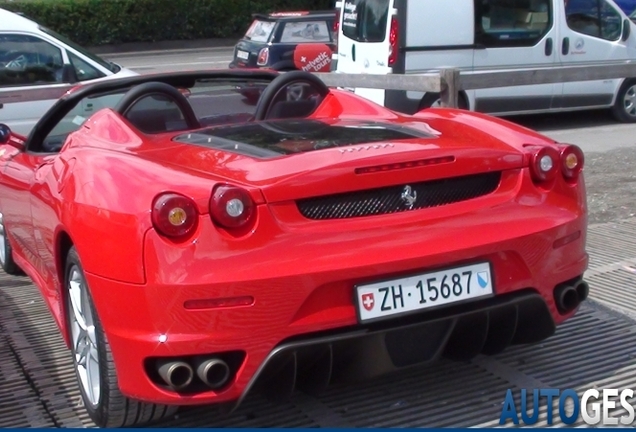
(301, 275)
(304, 289)
(310, 363)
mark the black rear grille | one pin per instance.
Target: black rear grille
(395, 199)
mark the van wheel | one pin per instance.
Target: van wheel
(6, 253)
(432, 100)
(624, 108)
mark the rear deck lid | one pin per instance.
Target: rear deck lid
(293, 159)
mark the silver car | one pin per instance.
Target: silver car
(37, 66)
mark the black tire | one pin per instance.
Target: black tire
(112, 408)
(430, 99)
(6, 258)
(624, 109)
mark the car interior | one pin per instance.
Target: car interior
(156, 107)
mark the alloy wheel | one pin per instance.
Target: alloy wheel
(83, 337)
(3, 246)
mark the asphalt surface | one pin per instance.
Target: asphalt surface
(171, 60)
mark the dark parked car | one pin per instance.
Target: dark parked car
(287, 41)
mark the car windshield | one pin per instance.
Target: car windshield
(106, 64)
(214, 102)
(283, 137)
(260, 31)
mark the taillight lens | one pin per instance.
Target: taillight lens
(231, 207)
(393, 41)
(544, 164)
(263, 57)
(174, 215)
(572, 161)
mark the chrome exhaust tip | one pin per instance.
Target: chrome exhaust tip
(582, 290)
(176, 374)
(214, 372)
(566, 298)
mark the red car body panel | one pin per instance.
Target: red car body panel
(97, 193)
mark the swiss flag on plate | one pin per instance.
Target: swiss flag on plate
(368, 301)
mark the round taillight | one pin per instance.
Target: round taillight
(174, 215)
(572, 160)
(231, 206)
(545, 164)
(263, 57)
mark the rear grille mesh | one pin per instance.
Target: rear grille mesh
(395, 199)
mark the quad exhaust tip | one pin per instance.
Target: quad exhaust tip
(569, 296)
(214, 372)
(176, 374)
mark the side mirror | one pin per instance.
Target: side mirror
(5, 138)
(627, 28)
(5, 133)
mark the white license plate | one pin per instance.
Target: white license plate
(383, 299)
(242, 55)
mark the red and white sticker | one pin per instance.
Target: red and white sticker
(313, 57)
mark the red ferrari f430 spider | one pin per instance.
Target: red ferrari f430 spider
(197, 235)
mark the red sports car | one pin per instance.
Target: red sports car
(193, 247)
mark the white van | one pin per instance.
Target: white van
(37, 66)
(418, 36)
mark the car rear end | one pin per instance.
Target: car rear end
(252, 50)
(312, 256)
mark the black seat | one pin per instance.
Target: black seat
(156, 107)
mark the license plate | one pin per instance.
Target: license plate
(242, 55)
(384, 299)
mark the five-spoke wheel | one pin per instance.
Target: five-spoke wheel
(93, 360)
(83, 337)
(6, 252)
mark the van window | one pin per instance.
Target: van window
(511, 23)
(594, 18)
(305, 31)
(365, 20)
